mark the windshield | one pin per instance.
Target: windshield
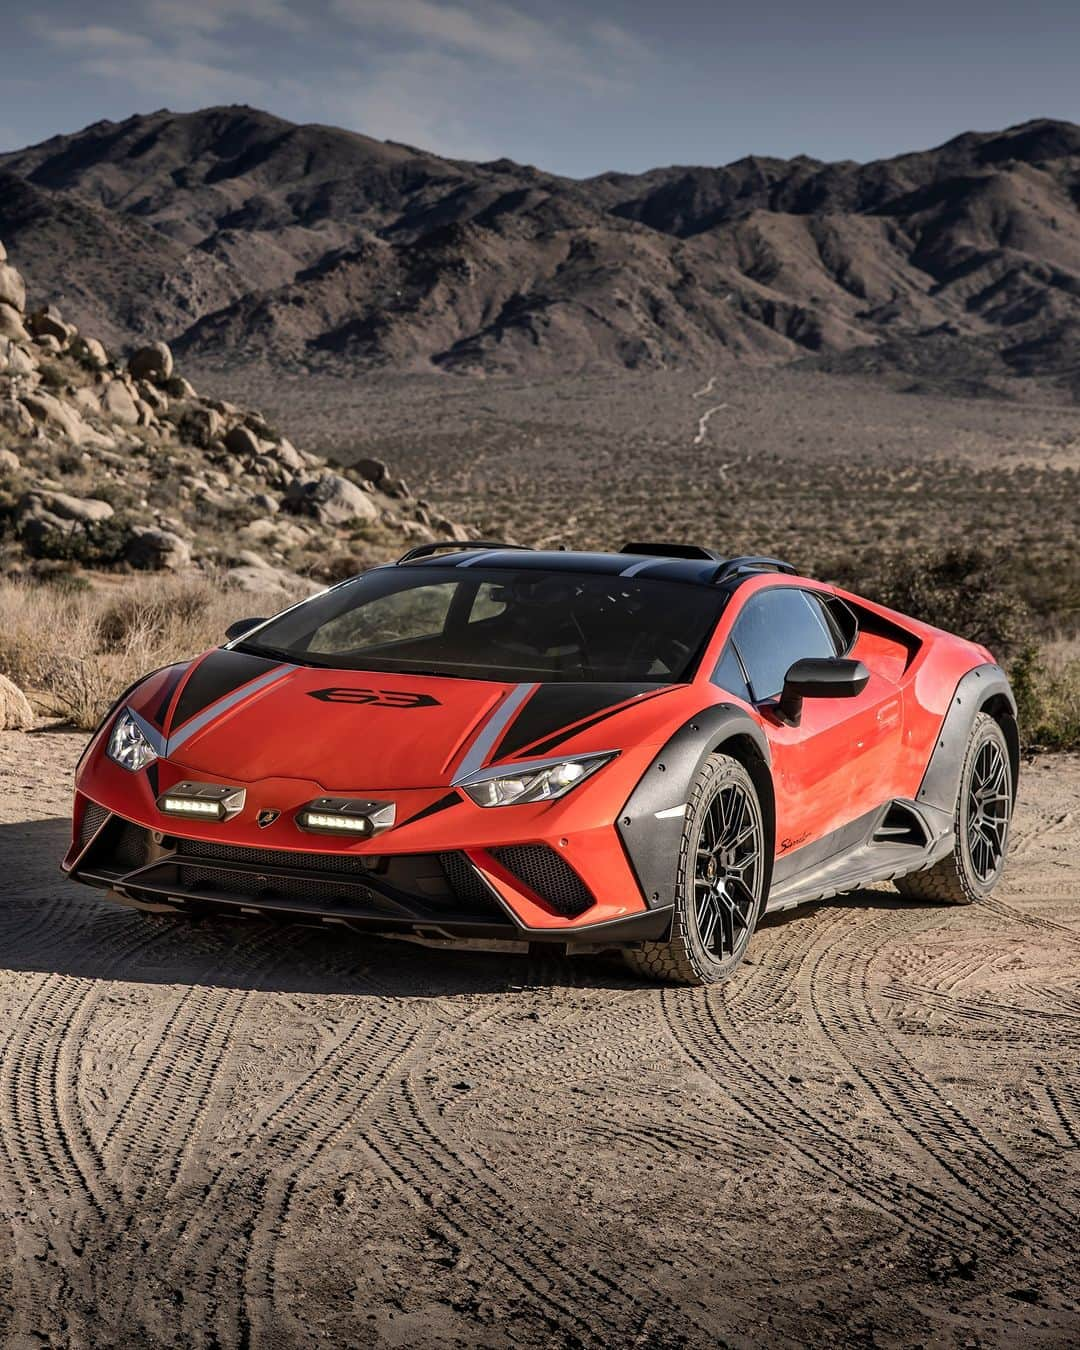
(499, 624)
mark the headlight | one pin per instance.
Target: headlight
(128, 746)
(541, 781)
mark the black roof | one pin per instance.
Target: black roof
(650, 560)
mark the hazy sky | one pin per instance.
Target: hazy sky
(575, 88)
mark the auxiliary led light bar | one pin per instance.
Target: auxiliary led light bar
(202, 801)
(346, 816)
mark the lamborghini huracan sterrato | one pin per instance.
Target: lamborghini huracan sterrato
(482, 743)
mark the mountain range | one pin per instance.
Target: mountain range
(240, 236)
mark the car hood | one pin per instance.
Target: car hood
(232, 715)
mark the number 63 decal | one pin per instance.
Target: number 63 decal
(378, 698)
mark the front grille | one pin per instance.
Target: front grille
(93, 818)
(345, 864)
(548, 876)
(274, 888)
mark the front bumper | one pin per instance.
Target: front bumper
(450, 894)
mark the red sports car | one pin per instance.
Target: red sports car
(644, 750)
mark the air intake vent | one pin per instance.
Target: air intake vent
(464, 880)
(93, 818)
(548, 876)
(901, 825)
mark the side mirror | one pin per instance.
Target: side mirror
(240, 627)
(819, 677)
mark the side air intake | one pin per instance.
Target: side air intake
(548, 876)
(901, 825)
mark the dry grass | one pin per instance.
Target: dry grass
(75, 648)
(1053, 721)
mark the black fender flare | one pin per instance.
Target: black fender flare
(650, 824)
(982, 686)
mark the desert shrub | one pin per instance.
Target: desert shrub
(80, 647)
(1047, 687)
(96, 544)
(54, 376)
(963, 590)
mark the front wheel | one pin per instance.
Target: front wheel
(981, 823)
(720, 885)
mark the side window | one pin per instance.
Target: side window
(777, 628)
(489, 602)
(729, 674)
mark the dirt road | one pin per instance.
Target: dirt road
(237, 1135)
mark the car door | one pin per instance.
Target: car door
(835, 766)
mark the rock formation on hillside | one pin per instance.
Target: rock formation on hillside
(106, 465)
(238, 236)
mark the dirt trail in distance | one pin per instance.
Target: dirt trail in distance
(237, 1134)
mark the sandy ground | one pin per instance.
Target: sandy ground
(232, 1134)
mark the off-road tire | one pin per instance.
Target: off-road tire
(683, 959)
(953, 880)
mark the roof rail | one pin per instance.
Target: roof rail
(673, 551)
(732, 567)
(456, 546)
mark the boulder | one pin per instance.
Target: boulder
(49, 344)
(287, 454)
(153, 397)
(3, 252)
(14, 417)
(153, 363)
(200, 426)
(16, 713)
(83, 510)
(247, 557)
(157, 550)
(241, 440)
(87, 401)
(11, 325)
(20, 362)
(48, 323)
(331, 499)
(178, 387)
(91, 353)
(394, 487)
(12, 288)
(374, 470)
(262, 501)
(118, 404)
(9, 463)
(51, 411)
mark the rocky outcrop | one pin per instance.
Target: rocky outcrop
(16, 713)
(106, 464)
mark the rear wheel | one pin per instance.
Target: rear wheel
(983, 812)
(720, 883)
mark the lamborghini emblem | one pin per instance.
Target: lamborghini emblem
(265, 818)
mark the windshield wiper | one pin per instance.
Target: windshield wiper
(277, 654)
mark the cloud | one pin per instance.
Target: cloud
(174, 79)
(213, 16)
(96, 38)
(496, 32)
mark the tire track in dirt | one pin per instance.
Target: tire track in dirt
(328, 1108)
(987, 1184)
(1044, 925)
(708, 1031)
(48, 1143)
(426, 1162)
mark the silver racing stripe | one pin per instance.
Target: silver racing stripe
(637, 567)
(224, 704)
(492, 730)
